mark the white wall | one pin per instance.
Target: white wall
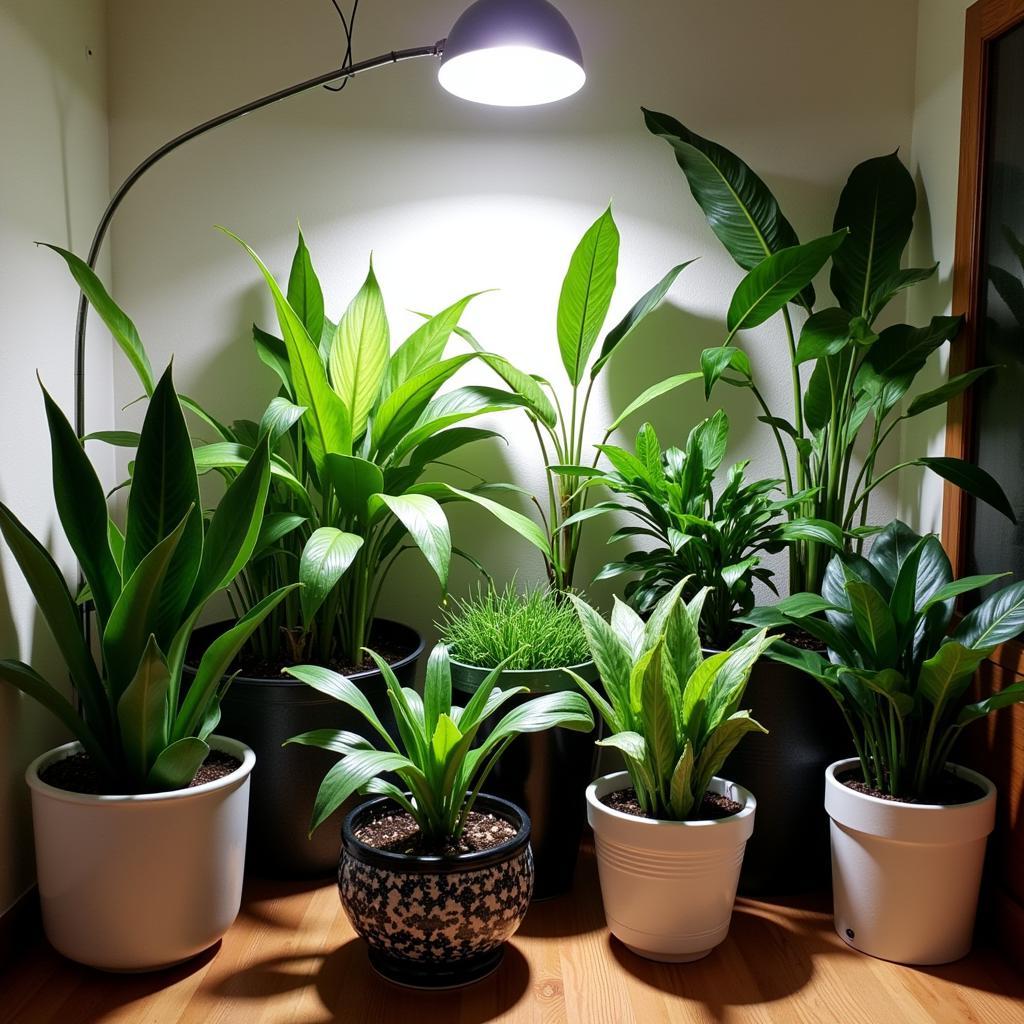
(53, 183)
(935, 161)
(453, 198)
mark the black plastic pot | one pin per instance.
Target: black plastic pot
(545, 773)
(264, 713)
(436, 922)
(789, 850)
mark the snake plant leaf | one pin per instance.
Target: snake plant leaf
(215, 662)
(325, 558)
(177, 764)
(637, 314)
(738, 205)
(587, 294)
(142, 711)
(82, 509)
(877, 205)
(234, 529)
(401, 410)
(328, 422)
(360, 352)
(118, 323)
(304, 293)
(26, 679)
(138, 611)
(425, 346)
(57, 606)
(425, 520)
(1000, 617)
(777, 280)
(164, 493)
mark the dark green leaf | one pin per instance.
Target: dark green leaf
(970, 478)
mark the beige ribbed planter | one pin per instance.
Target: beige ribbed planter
(136, 883)
(905, 877)
(668, 886)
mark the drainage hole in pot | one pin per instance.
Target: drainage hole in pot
(849, 933)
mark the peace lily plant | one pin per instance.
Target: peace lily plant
(842, 413)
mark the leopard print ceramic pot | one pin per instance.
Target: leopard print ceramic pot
(435, 922)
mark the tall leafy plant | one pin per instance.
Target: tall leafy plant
(352, 433)
(897, 669)
(860, 371)
(561, 422)
(673, 713)
(706, 541)
(148, 586)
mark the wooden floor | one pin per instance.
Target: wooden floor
(292, 957)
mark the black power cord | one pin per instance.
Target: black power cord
(348, 24)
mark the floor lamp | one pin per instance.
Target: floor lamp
(501, 52)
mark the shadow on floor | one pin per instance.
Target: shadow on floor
(350, 989)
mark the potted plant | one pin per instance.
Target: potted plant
(669, 832)
(537, 637)
(435, 875)
(909, 827)
(717, 541)
(140, 824)
(353, 432)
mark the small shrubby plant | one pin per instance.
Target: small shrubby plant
(897, 665)
(673, 713)
(537, 629)
(441, 766)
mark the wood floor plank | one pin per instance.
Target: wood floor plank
(293, 958)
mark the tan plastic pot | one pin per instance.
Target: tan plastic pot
(668, 886)
(905, 877)
(136, 883)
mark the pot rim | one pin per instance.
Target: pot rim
(404, 863)
(523, 671)
(622, 781)
(896, 806)
(467, 678)
(224, 744)
(356, 677)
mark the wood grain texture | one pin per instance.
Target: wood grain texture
(293, 957)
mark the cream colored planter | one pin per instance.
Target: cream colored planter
(135, 883)
(905, 877)
(668, 886)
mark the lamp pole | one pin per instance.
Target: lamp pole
(394, 57)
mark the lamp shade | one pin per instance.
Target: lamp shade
(512, 53)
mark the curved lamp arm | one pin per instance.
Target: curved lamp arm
(394, 57)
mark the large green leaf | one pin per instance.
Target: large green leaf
(425, 520)
(739, 207)
(216, 659)
(1012, 694)
(142, 711)
(274, 527)
(325, 559)
(526, 528)
(885, 291)
(877, 206)
(349, 775)
(280, 416)
(328, 423)
(57, 606)
(663, 387)
(305, 295)
(719, 746)
(118, 323)
(976, 481)
(902, 350)
(165, 492)
(24, 678)
(777, 280)
(425, 346)
(82, 509)
(659, 716)
(681, 796)
(609, 653)
(437, 689)
(355, 481)
(944, 392)
(360, 351)
(234, 528)
(137, 612)
(823, 334)
(177, 764)
(274, 353)
(587, 294)
(629, 323)
(341, 689)
(874, 621)
(945, 676)
(999, 618)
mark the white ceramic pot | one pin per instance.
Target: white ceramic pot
(668, 886)
(905, 877)
(136, 883)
